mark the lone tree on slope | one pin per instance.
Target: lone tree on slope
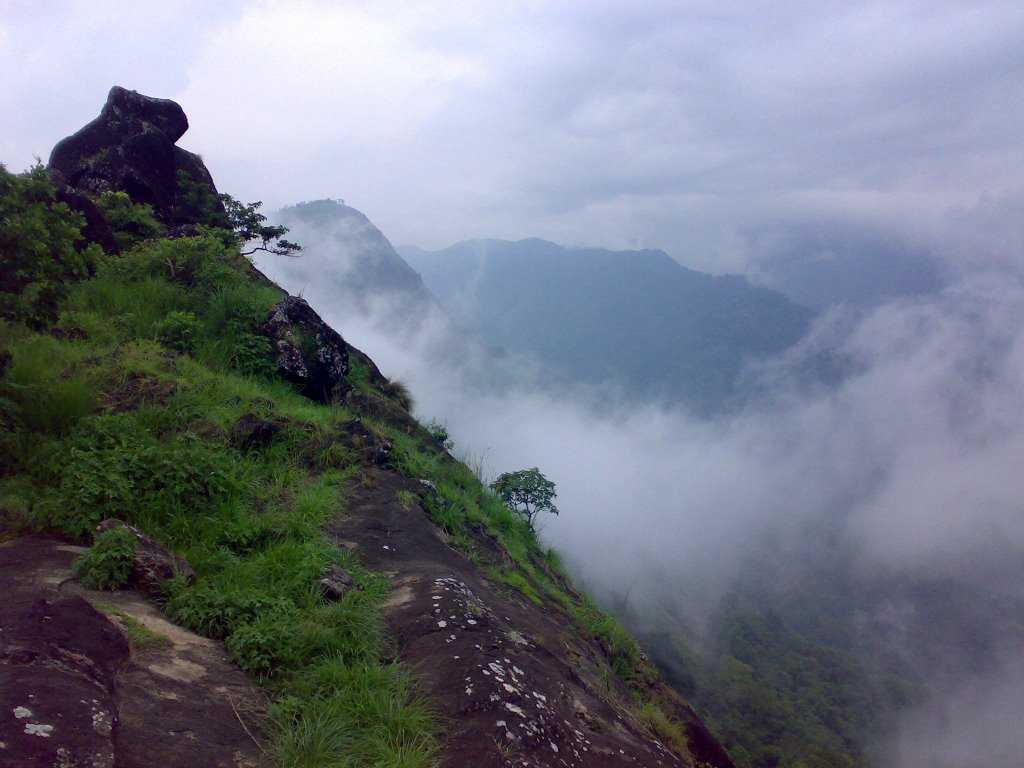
(527, 492)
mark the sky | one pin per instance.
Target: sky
(906, 472)
(688, 126)
(707, 129)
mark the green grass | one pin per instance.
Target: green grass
(107, 564)
(668, 732)
(339, 715)
(117, 424)
(140, 637)
(133, 419)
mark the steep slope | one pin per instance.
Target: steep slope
(287, 508)
(634, 318)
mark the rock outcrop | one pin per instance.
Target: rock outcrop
(515, 686)
(130, 147)
(308, 352)
(77, 691)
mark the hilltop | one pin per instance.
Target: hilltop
(226, 539)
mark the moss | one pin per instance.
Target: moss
(140, 637)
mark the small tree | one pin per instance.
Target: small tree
(42, 250)
(250, 226)
(527, 492)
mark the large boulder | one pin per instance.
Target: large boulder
(307, 351)
(130, 147)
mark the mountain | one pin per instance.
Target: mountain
(224, 539)
(346, 262)
(636, 319)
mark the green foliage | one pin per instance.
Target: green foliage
(776, 697)
(528, 492)
(113, 426)
(669, 732)
(192, 294)
(196, 202)
(439, 432)
(251, 226)
(39, 398)
(131, 222)
(38, 248)
(623, 652)
(202, 261)
(342, 715)
(250, 354)
(179, 331)
(397, 391)
(108, 562)
(110, 467)
(140, 637)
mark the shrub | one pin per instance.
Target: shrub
(217, 612)
(265, 645)
(111, 468)
(527, 492)
(178, 331)
(398, 392)
(668, 731)
(38, 238)
(131, 222)
(108, 562)
(251, 355)
(439, 432)
(202, 262)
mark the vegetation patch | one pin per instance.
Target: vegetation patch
(140, 637)
(108, 562)
(132, 419)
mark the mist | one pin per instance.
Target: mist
(909, 466)
(878, 142)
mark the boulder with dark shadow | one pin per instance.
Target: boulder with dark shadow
(307, 351)
(130, 147)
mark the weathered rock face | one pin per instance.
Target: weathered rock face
(153, 565)
(130, 147)
(308, 352)
(75, 693)
(511, 681)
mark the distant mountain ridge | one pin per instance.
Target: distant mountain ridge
(637, 319)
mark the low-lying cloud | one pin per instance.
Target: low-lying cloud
(913, 461)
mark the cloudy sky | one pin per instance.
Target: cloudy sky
(689, 126)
